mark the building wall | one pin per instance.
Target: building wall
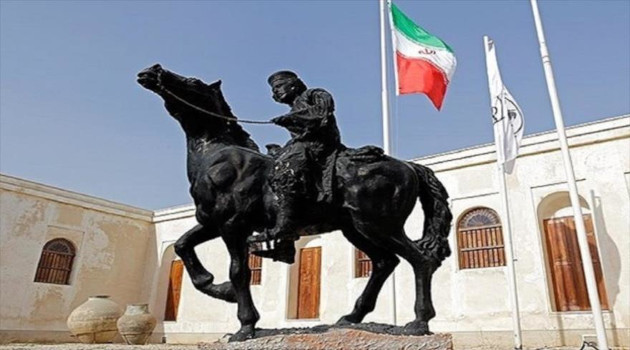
(477, 301)
(127, 253)
(111, 243)
(473, 304)
(199, 316)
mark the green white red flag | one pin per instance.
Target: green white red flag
(424, 63)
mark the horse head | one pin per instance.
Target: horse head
(196, 105)
(184, 95)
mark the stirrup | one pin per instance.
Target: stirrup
(282, 251)
(262, 237)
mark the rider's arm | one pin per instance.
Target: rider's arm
(320, 105)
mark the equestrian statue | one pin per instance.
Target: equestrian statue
(262, 203)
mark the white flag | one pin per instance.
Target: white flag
(506, 114)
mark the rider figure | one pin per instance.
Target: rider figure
(303, 168)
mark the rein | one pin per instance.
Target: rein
(232, 119)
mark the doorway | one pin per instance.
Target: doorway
(565, 264)
(174, 290)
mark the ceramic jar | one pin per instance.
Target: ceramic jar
(137, 324)
(95, 320)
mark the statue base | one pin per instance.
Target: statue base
(363, 336)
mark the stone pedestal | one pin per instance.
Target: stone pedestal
(338, 339)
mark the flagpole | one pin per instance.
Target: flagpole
(587, 264)
(384, 93)
(386, 122)
(507, 227)
(509, 255)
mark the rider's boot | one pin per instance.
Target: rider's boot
(284, 234)
(285, 223)
(285, 251)
(284, 228)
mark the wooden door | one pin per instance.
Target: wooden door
(565, 262)
(174, 290)
(309, 282)
(255, 266)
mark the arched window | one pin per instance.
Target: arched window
(55, 263)
(480, 239)
(362, 264)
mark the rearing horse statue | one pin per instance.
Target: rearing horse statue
(229, 185)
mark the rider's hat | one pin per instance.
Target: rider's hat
(281, 75)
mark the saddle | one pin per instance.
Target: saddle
(365, 154)
(362, 155)
(284, 250)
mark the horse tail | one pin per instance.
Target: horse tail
(437, 215)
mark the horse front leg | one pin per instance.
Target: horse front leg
(201, 278)
(383, 264)
(240, 275)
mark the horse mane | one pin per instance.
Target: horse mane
(234, 129)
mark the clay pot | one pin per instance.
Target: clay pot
(95, 320)
(137, 324)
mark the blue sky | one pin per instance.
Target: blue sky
(72, 115)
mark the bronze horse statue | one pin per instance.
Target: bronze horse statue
(229, 185)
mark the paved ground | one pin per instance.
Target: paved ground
(96, 347)
(161, 347)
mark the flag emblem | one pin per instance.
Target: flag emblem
(507, 116)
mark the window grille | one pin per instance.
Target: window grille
(363, 264)
(480, 239)
(55, 262)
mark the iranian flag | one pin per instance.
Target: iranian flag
(425, 63)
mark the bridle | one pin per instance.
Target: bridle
(182, 100)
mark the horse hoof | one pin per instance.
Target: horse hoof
(245, 333)
(345, 321)
(417, 328)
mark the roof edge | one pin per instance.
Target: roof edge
(527, 140)
(19, 185)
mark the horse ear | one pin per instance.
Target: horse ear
(216, 84)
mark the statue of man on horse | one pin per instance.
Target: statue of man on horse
(312, 185)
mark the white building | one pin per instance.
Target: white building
(128, 253)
